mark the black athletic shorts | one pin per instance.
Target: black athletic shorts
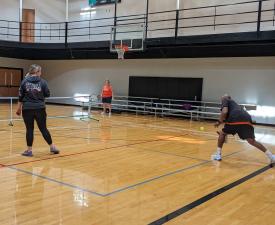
(107, 100)
(244, 131)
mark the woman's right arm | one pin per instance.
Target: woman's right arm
(46, 90)
(19, 108)
(20, 99)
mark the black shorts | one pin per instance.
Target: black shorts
(244, 131)
(107, 100)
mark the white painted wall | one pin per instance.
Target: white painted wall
(9, 10)
(47, 11)
(249, 80)
(50, 11)
(15, 63)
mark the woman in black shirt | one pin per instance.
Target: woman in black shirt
(32, 93)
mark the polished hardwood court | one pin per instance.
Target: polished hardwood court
(130, 169)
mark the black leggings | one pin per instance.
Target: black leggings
(40, 115)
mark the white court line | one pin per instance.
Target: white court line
(155, 127)
(202, 133)
(173, 129)
(50, 128)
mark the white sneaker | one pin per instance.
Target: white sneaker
(110, 114)
(270, 156)
(103, 114)
(217, 157)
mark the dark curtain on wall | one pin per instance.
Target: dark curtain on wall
(166, 87)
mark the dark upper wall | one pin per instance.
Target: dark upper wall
(220, 45)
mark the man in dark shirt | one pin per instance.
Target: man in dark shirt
(237, 121)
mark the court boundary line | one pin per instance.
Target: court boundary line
(56, 181)
(90, 151)
(103, 194)
(176, 155)
(72, 154)
(165, 153)
(96, 150)
(208, 197)
(198, 159)
(119, 189)
(154, 178)
(165, 175)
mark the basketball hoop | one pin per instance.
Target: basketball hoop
(121, 49)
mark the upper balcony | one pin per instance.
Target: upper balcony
(241, 29)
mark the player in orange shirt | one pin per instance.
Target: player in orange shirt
(107, 96)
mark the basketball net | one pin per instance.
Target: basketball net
(121, 49)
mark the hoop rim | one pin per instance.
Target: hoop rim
(123, 47)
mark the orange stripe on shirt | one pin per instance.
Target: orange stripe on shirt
(240, 123)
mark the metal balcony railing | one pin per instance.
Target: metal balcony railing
(249, 16)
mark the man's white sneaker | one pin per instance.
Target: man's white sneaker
(217, 157)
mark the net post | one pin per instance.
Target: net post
(11, 117)
(89, 106)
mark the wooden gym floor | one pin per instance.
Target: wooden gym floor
(133, 170)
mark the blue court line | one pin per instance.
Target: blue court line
(154, 178)
(120, 189)
(56, 181)
(182, 156)
(164, 175)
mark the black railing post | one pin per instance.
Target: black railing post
(177, 24)
(215, 17)
(20, 31)
(66, 34)
(259, 17)
(274, 14)
(90, 29)
(59, 28)
(115, 20)
(146, 22)
(50, 31)
(40, 31)
(115, 17)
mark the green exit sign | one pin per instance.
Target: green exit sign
(102, 2)
(92, 2)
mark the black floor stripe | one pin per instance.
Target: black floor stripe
(206, 198)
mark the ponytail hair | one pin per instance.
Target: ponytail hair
(34, 68)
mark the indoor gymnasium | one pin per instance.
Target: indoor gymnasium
(137, 112)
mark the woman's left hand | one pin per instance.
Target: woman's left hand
(18, 112)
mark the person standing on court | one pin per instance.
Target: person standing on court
(32, 93)
(107, 96)
(237, 121)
